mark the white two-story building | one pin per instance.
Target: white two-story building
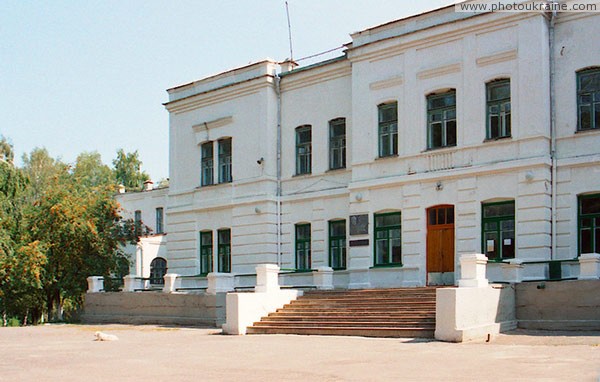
(433, 136)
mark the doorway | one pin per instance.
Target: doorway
(440, 245)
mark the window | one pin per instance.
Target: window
(159, 220)
(224, 259)
(588, 99)
(441, 120)
(337, 143)
(498, 109)
(388, 129)
(225, 160)
(589, 223)
(303, 258)
(206, 252)
(137, 222)
(498, 230)
(158, 270)
(337, 244)
(207, 164)
(388, 241)
(303, 150)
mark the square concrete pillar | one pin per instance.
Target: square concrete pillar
(589, 266)
(132, 283)
(323, 277)
(472, 269)
(171, 283)
(95, 284)
(512, 271)
(267, 278)
(220, 283)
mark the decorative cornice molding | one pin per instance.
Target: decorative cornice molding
(219, 95)
(387, 83)
(378, 50)
(439, 71)
(497, 58)
(289, 83)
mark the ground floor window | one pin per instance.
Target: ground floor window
(303, 255)
(206, 252)
(224, 255)
(158, 270)
(589, 223)
(498, 226)
(337, 244)
(388, 241)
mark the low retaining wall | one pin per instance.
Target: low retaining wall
(155, 308)
(474, 314)
(559, 305)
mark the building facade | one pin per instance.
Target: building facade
(148, 258)
(433, 136)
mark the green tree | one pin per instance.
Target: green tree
(89, 171)
(6, 150)
(128, 170)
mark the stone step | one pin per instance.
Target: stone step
(341, 331)
(359, 306)
(348, 323)
(367, 300)
(357, 309)
(382, 314)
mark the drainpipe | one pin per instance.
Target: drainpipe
(278, 194)
(552, 136)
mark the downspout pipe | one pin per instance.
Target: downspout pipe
(278, 192)
(552, 135)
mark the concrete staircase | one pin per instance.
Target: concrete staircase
(406, 312)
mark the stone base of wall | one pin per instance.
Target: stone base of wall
(559, 305)
(155, 308)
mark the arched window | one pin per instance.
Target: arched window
(158, 269)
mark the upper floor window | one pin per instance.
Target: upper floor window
(160, 220)
(137, 222)
(441, 120)
(388, 239)
(498, 226)
(589, 223)
(588, 99)
(207, 164)
(225, 160)
(337, 143)
(388, 129)
(498, 109)
(303, 150)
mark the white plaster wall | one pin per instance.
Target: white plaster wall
(578, 153)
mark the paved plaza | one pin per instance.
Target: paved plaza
(143, 353)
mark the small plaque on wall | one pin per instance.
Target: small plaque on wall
(359, 243)
(359, 224)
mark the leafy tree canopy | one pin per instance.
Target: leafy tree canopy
(128, 170)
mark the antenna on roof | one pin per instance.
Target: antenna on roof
(287, 11)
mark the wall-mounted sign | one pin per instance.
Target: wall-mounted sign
(359, 224)
(359, 243)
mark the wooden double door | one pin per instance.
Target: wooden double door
(440, 245)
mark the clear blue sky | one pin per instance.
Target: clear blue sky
(91, 75)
